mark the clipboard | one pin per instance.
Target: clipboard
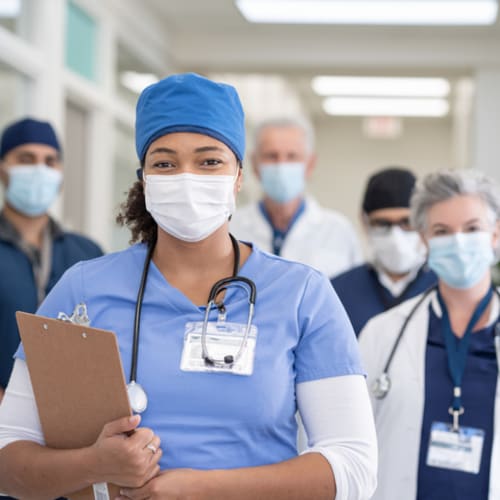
(78, 383)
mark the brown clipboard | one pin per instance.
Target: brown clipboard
(77, 380)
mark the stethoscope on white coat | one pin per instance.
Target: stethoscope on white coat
(136, 393)
(382, 384)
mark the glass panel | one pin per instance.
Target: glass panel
(125, 165)
(132, 75)
(14, 94)
(75, 160)
(14, 16)
(81, 33)
(14, 98)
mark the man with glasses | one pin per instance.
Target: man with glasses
(396, 270)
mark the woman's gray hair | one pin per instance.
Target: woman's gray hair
(441, 186)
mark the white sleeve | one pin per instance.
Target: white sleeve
(19, 418)
(339, 424)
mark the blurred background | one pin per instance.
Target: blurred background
(412, 83)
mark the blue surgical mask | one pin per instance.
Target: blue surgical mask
(462, 259)
(32, 188)
(283, 182)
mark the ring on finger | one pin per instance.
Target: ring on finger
(152, 447)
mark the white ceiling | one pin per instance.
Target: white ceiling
(211, 36)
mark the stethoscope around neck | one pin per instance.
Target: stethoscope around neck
(382, 384)
(136, 393)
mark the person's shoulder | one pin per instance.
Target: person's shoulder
(347, 277)
(271, 265)
(245, 214)
(327, 215)
(83, 243)
(399, 313)
(122, 259)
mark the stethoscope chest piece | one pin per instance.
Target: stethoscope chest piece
(381, 386)
(137, 397)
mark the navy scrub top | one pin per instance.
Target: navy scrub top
(478, 398)
(363, 296)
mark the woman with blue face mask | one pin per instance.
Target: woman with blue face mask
(438, 417)
(219, 422)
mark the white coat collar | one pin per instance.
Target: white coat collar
(494, 311)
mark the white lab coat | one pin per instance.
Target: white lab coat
(320, 237)
(399, 425)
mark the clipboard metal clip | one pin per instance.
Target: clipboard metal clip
(79, 316)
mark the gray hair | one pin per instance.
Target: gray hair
(296, 122)
(441, 186)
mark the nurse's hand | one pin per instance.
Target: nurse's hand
(125, 458)
(175, 483)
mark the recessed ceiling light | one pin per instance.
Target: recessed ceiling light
(381, 12)
(380, 86)
(137, 82)
(363, 106)
(10, 8)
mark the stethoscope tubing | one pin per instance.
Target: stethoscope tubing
(217, 288)
(384, 376)
(403, 328)
(137, 314)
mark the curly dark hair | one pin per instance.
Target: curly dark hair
(134, 215)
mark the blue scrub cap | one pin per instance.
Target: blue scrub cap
(28, 131)
(190, 103)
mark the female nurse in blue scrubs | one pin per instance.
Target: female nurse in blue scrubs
(222, 392)
(438, 419)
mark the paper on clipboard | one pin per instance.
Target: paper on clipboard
(78, 382)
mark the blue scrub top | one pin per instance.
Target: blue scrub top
(478, 398)
(363, 296)
(218, 420)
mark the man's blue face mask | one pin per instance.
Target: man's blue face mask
(461, 260)
(32, 188)
(283, 182)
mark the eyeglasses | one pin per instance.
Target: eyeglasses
(383, 226)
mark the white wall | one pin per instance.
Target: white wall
(346, 157)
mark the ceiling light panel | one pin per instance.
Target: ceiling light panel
(375, 12)
(380, 86)
(137, 82)
(363, 106)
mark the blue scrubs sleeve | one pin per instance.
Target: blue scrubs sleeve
(66, 294)
(327, 346)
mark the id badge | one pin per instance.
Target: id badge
(222, 339)
(100, 491)
(455, 450)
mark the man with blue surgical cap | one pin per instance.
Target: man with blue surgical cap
(286, 222)
(34, 250)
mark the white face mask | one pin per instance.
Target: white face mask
(190, 207)
(397, 251)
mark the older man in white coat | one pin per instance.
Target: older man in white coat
(286, 222)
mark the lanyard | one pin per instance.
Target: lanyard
(457, 350)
